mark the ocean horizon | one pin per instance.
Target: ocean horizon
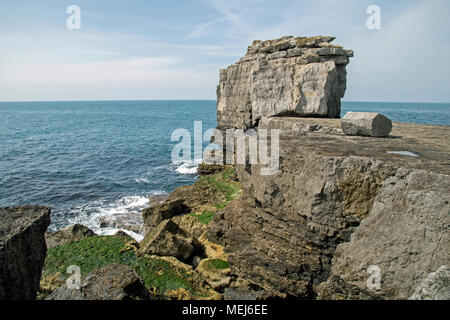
(91, 160)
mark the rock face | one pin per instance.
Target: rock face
(22, 250)
(296, 76)
(337, 205)
(70, 234)
(368, 124)
(435, 287)
(406, 234)
(113, 282)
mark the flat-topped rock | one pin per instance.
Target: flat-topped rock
(428, 142)
(369, 124)
(22, 250)
(286, 76)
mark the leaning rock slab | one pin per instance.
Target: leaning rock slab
(22, 250)
(368, 124)
(156, 214)
(169, 240)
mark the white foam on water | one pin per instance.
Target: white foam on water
(112, 231)
(403, 153)
(91, 214)
(188, 167)
(142, 180)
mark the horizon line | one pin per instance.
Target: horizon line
(136, 100)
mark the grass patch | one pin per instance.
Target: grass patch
(160, 274)
(226, 186)
(96, 252)
(205, 217)
(219, 264)
(88, 254)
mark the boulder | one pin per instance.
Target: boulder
(22, 250)
(113, 282)
(370, 124)
(435, 287)
(155, 214)
(70, 234)
(169, 240)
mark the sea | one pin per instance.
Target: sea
(91, 160)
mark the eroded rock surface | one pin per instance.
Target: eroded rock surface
(112, 282)
(22, 250)
(70, 234)
(435, 287)
(406, 235)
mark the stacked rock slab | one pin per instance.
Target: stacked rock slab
(22, 250)
(287, 76)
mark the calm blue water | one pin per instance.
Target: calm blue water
(92, 159)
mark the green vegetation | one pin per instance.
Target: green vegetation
(226, 186)
(219, 264)
(96, 252)
(205, 217)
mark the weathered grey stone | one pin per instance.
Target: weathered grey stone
(113, 282)
(435, 287)
(22, 250)
(290, 77)
(169, 240)
(70, 234)
(370, 124)
(240, 294)
(406, 234)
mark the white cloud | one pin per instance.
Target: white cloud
(137, 78)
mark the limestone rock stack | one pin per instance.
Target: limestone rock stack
(287, 76)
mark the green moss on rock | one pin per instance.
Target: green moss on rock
(99, 251)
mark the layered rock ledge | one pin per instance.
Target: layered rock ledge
(338, 205)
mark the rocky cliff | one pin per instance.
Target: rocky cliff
(296, 76)
(338, 204)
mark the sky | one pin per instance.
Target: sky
(173, 49)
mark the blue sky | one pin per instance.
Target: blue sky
(174, 49)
